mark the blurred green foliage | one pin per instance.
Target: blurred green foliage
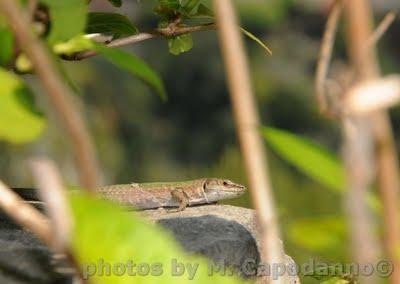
(138, 137)
(139, 250)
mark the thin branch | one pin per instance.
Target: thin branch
(26, 215)
(247, 122)
(161, 32)
(325, 56)
(57, 92)
(381, 29)
(52, 193)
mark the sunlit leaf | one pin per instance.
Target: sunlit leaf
(68, 19)
(180, 44)
(113, 24)
(308, 157)
(19, 120)
(133, 65)
(106, 235)
(74, 45)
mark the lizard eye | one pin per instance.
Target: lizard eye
(225, 183)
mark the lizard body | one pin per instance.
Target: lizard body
(142, 196)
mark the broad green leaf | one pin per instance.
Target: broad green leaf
(312, 160)
(6, 44)
(116, 3)
(68, 19)
(113, 24)
(257, 40)
(105, 235)
(133, 65)
(180, 44)
(327, 233)
(19, 121)
(308, 157)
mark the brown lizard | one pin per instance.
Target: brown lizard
(143, 196)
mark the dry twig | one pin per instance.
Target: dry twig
(170, 31)
(52, 193)
(26, 215)
(57, 91)
(325, 56)
(247, 122)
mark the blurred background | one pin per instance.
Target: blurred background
(191, 135)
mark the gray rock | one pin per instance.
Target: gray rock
(224, 234)
(24, 260)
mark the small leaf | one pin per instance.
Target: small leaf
(116, 3)
(309, 158)
(6, 43)
(19, 120)
(204, 12)
(134, 65)
(74, 45)
(114, 24)
(180, 44)
(257, 40)
(190, 5)
(170, 4)
(23, 64)
(68, 19)
(136, 251)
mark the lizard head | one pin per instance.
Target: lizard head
(218, 189)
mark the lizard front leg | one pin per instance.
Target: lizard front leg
(182, 198)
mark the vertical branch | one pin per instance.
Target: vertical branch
(325, 56)
(57, 91)
(52, 193)
(247, 122)
(366, 65)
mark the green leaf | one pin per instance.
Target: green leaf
(190, 5)
(134, 65)
(180, 44)
(114, 24)
(74, 45)
(257, 40)
(68, 19)
(19, 120)
(171, 4)
(328, 233)
(203, 12)
(105, 235)
(6, 43)
(116, 3)
(310, 158)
